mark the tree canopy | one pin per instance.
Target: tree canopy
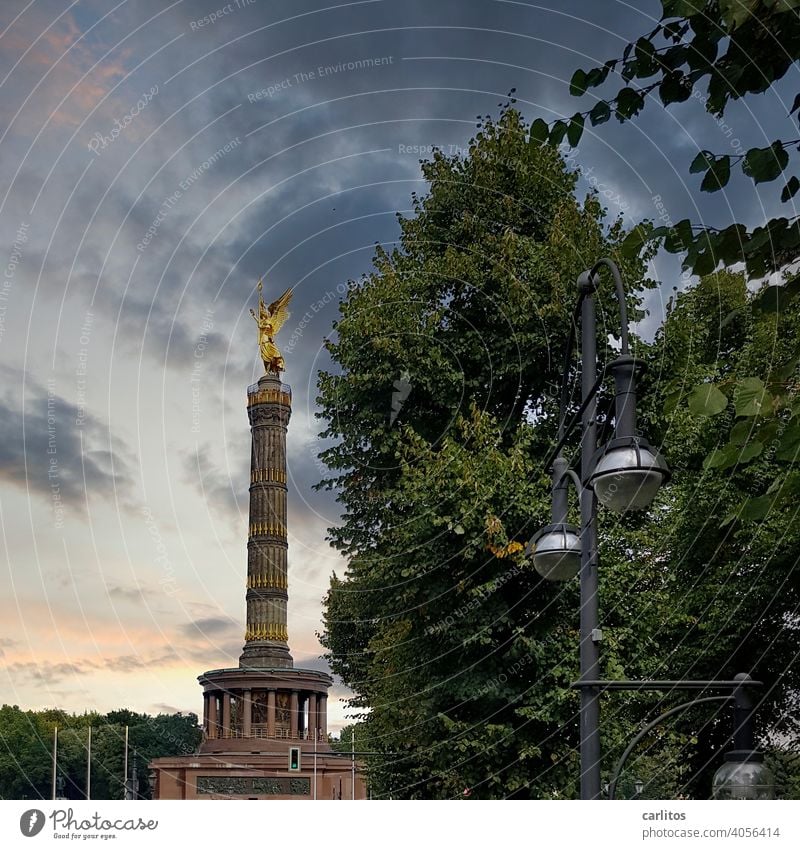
(442, 407)
(27, 746)
(461, 653)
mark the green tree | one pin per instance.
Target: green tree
(732, 411)
(720, 400)
(27, 745)
(440, 406)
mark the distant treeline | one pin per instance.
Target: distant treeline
(26, 748)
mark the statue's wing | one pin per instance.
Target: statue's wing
(279, 310)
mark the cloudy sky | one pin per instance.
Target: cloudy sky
(157, 158)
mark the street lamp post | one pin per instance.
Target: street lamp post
(623, 474)
(590, 634)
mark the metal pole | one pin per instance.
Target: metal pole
(743, 737)
(134, 778)
(125, 792)
(55, 760)
(89, 766)
(589, 615)
(315, 762)
(353, 762)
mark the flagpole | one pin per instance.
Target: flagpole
(353, 762)
(55, 760)
(89, 766)
(315, 763)
(125, 793)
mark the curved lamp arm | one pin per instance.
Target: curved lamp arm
(612, 784)
(586, 286)
(562, 474)
(623, 308)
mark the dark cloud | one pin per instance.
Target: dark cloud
(52, 447)
(312, 662)
(225, 490)
(7, 643)
(163, 707)
(209, 626)
(51, 673)
(131, 593)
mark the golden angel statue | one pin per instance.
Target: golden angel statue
(270, 319)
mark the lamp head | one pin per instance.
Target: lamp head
(743, 776)
(556, 551)
(627, 473)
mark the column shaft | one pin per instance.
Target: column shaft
(323, 717)
(312, 716)
(226, 714)
(293, 709)
(213, 729)
(247, 713)
(270, 713)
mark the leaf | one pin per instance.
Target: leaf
(750, 397)
(702, 162)
(704, 263)
(765, 163)
(795, 104)
(539, 131)
(722, 458)
(707, 400)
(600, 113)
(680, 8)
(675, 30)
(597, 76)
(672, 58)
(731, 517)
(557, 132)
(717, 176)
(790, 189)
(577, 85)
(751, 451)
(734, 13)
(789, 445)
(755, 509)
(630, 70)
(632, 243)
(575, 129)
(771, 299)
(740, 432)
(645, 58)
(680, 237)
(729, 244)
(629, 103)
(674, 88)
(702, 52)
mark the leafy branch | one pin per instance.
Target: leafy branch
(736, 48)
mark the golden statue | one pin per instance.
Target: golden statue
(270, 319)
